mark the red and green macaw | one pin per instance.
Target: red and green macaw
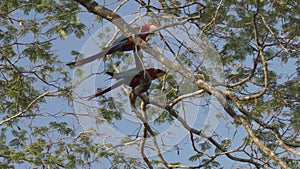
(123, 43)
(131, 78)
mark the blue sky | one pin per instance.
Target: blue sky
(64, 48)
(128, 127)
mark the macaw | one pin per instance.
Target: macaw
(133, 79)
(123, 43)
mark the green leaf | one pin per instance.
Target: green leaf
(62, 34)
(195, 157)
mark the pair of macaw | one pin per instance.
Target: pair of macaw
(124, 43)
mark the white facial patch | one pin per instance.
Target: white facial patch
(152, 28)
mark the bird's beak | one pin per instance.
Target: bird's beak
(163, 73)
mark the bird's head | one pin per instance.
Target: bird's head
(151, 28)
(155, 73)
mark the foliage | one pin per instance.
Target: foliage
(258, 43)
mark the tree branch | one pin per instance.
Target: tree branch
(28, 106)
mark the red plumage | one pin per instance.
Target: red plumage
(131, 81)
(123, 43)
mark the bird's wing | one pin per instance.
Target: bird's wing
(123, 43)
(119, 40)
(89, 59)
(126, 74)
(116, 45)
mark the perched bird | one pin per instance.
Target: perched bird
(123, 43)
(131, 78)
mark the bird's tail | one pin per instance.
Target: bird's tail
(117, 84)
(88, 59)
(100, 93)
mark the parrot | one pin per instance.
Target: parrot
(133, 79)
(123, 43)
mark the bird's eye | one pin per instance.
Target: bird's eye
(158, 71)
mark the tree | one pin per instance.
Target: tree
(258, 45)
